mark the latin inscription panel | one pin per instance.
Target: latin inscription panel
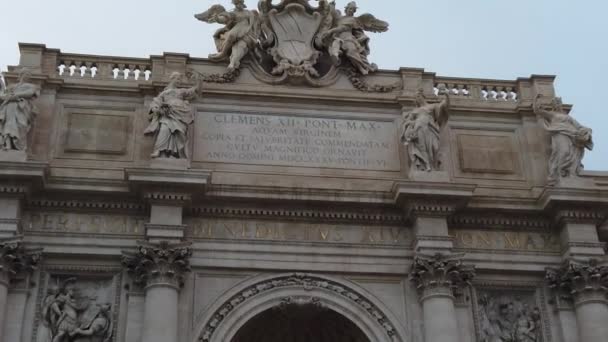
(81, 223)
(506, 240)
(296, 141)
(227, 229)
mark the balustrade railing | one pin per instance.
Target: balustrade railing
(482, 90)
(104, 68)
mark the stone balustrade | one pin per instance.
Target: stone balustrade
(479, 90)
(71, 66)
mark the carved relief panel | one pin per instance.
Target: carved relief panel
(77, 307)
(509, 314)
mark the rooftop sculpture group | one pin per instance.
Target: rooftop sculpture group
(293, 41)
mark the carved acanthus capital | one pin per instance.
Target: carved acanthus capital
(580, 281)
(161, 264)
(16, 260)
(440, 274)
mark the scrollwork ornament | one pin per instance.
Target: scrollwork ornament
(440, 274)
(159, 264)
(580, 281)
(15, 259)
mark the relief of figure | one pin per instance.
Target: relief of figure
(170, 116)
(17, 113)
(568, 140)
(238, 37)
(508, 319)
(69, 317)
(97, 329)
(344, 35)
(421, 131)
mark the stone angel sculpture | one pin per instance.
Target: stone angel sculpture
(344, 35)
(421, 131)
(170, 118)
(17, 112)
(569, 139)
(239, 35)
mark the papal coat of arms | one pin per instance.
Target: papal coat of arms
(293, 41)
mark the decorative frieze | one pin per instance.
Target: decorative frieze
(580, 281)
(440, 274)
(15, 259)
(161, 264)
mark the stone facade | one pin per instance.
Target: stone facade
(346, 203)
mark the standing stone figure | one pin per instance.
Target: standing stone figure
(421, 131)
(239, 35)
(568, 140)
(170, 116)
(17, 113)
(347, 37)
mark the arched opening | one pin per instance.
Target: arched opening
(291, 322)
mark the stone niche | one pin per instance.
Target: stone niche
(88, 303)
(510, 314)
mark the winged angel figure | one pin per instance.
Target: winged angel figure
(344, 35)
(238, 36)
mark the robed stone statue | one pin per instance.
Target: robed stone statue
(421, 131)
(17, 112)
(170, 118)
(569, 139)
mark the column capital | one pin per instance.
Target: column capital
(161, 264)
(16, 260)
(582, 281)
(440, 274)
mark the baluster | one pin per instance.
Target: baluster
(510, 94)
(461, 91)
(500, 96)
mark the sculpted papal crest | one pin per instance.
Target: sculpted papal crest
(295, 42)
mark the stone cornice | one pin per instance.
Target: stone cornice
(516, 221)
(431, 199)
(161, 264)
(19, 178)
(167, 185)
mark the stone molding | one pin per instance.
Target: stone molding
(299, 214)
(15, 260)
(580, 281)
(501, 221)
(440, 274)
(306, 281)
(87, 205)
(593, 216)
(160, 264)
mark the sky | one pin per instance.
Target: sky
(467, 38)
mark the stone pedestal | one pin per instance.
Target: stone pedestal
(435, 277)
(160, 270)
(170, 163)
(429, 176)
(13, 156)
(586, 285)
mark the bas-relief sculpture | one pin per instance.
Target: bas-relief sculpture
(569, 139)
(509, 318)
(293, 41)
(421, 131)
(70, 314)
(170, 118)
(17, 112)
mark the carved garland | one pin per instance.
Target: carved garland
(308, 282)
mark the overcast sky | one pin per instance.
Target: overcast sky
(466, 38)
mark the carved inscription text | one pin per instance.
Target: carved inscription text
(60, 222)
(292, 231)
(506, 240)
(296, 141)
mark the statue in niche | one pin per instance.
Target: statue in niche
(569, 139)
(239, 35)
(17, 112)
(508, 319)
(344, 35)
(421, 131)
(68, 316)
(170, 117)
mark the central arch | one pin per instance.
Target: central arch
(255, 299)
(295, 322)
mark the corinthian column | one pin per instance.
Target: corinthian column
(585, 283)
(436, 277)
(160, 270)
(14, 260)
